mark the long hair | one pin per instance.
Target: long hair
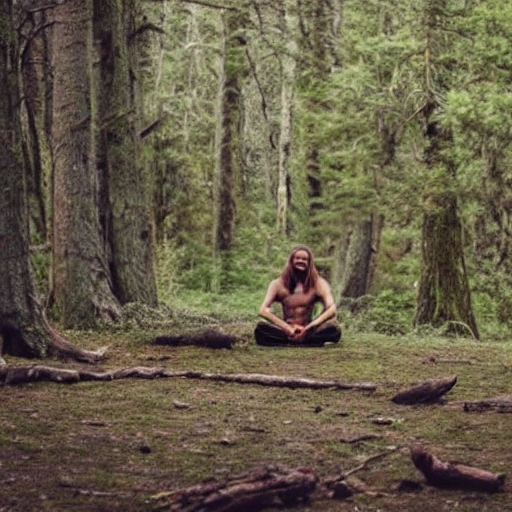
(288, 274)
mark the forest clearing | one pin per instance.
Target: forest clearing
(124, 445)
(160, 161)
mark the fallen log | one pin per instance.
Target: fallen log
(455, 476)
(11, 375)
(255, 490)
(498, 404)
(426, 392)
(211, 338)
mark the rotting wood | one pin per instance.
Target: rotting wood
(210, 338)
(499, 404)
(255, 490)
(269, 486)
(455, 476)
(426, 392)
(33, 373)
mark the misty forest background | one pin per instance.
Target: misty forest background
(174, 151)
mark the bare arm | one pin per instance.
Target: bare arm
(266, 313)
(329, 311)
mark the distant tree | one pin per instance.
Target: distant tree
(288, 83)
(227, 171)
(82, 284)
(316, 45)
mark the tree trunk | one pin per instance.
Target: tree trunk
(443, 294)
(228, 140)
(364, 240)
(34, 101)
(81, 277)
(288, 63)
(125, 205)
(444, 297)
(21, 331)
(318, 21)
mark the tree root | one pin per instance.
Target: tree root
(33, 373)
(59, 347)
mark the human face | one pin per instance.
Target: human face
(300, 260)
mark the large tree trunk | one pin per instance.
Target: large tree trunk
(21, 331)
(126, 213)
(444, 296)
(81, 277)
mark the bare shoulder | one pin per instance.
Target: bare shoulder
(322, 284)
(323, 290)
(277, 285)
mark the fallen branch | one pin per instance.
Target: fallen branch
(498, 404)
(337, 486)
(362, 437)
(260, 488)
(10, 375)
(426, 392)
(456, 476)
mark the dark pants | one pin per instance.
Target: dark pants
(271, 336)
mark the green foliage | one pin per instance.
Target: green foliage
(375, 88)
(387, 313)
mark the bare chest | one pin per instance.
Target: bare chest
(299, 298)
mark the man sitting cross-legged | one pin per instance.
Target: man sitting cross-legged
(298, 289)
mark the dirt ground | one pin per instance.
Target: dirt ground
(116, 446)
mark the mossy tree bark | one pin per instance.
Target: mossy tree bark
(34, 62)
(318, 42)
(227, 171)
(360, 256)
(21, 329)
(81, 277)
(126, 198)
(288, 69)
(364, 237)
(444, 296)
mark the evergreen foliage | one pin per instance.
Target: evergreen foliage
(358, 120)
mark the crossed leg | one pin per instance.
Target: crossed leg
(271, 336)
